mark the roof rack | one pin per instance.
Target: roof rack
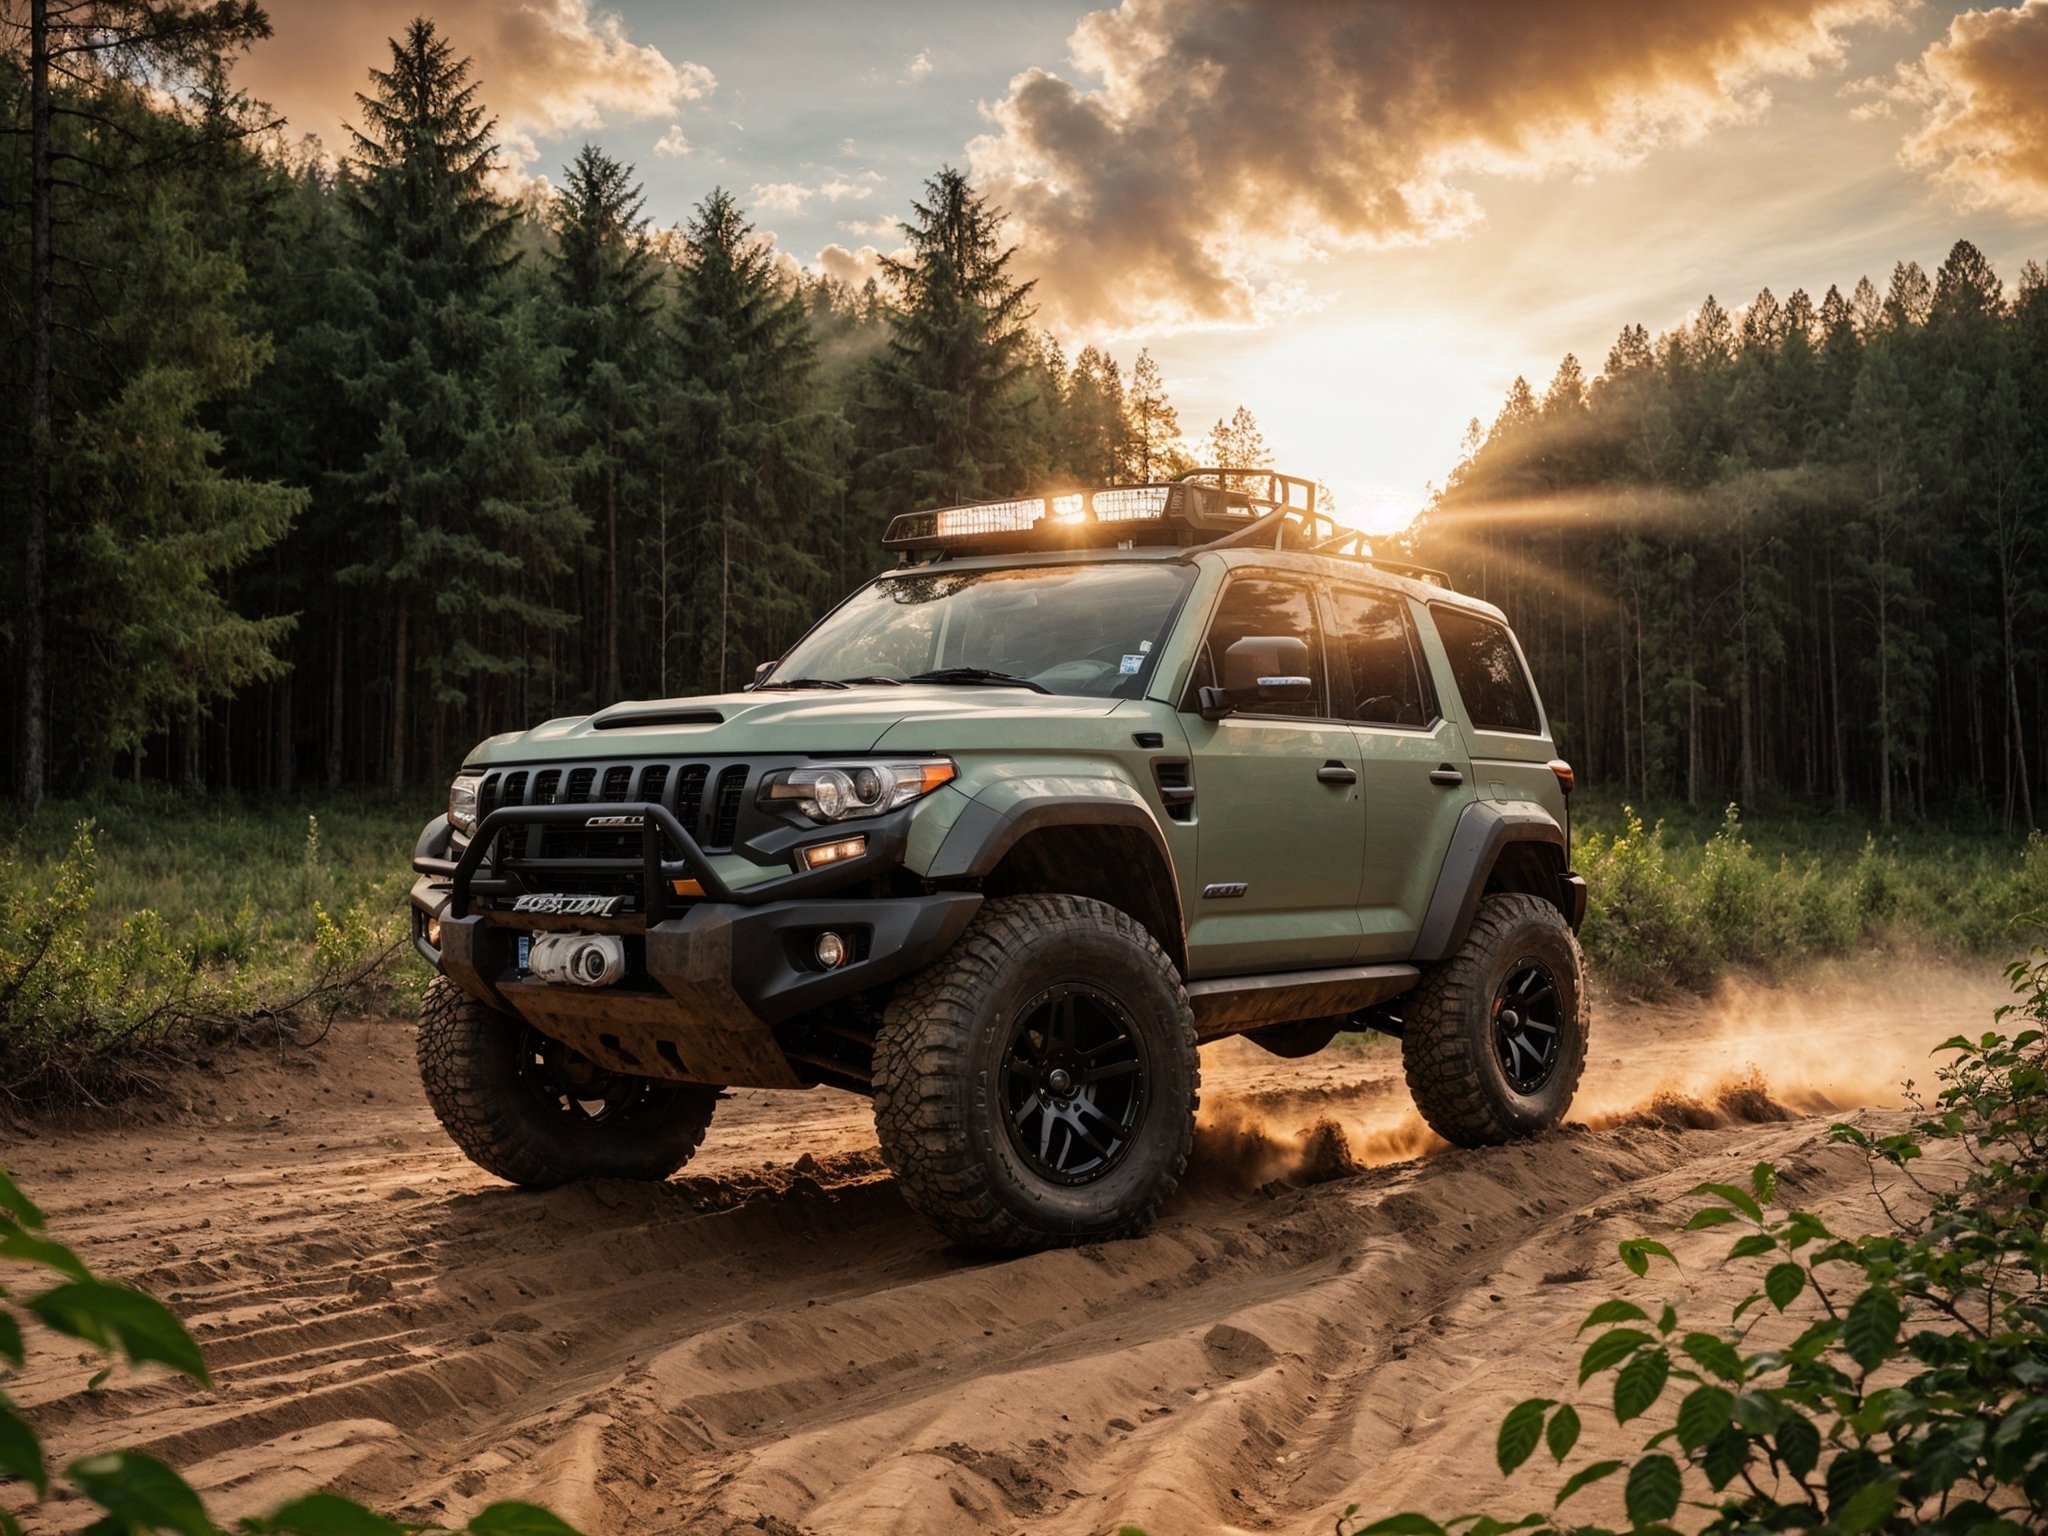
(1207, 508)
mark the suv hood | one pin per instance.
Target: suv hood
(811, 722)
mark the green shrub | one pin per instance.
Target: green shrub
(1896, 1382)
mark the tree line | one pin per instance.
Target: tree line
(316, 470)
(1791, 554)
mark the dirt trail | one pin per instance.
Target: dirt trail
(774, 1342)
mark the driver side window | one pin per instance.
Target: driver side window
(1263, 605)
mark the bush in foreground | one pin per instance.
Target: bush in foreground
(1895, 1382)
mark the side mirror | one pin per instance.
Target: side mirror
(1260, 669)
(761, 671)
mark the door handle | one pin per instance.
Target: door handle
(1334, 772)
(1445, 775)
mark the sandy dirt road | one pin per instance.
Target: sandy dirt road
(1334, 1310)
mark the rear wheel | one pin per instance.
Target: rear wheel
(1494, 1039)
(1038, 1085)
(529, 1109)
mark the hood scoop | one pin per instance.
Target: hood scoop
(629, 719)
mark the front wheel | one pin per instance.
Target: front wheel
(1494, 1039)
(1038, 1085)
(531, 1110)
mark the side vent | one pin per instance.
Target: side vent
(1176, 779)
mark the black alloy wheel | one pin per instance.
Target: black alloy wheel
(1072, 1083)
(1525, 1024)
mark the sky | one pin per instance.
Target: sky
(1363, 219)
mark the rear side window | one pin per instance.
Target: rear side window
(1489, 674)
(1261, 605)
(1388, 685)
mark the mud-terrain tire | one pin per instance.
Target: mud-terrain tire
(995, 1067)
(1473, 1031)
(488, 1077)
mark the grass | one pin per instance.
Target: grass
(1679, 901)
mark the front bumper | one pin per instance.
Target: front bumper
(709, 981)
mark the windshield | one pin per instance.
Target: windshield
(1075, 629)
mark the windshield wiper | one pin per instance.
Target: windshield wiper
(976, 675)
(893, 682)
(801, 682)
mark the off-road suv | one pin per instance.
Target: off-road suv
(1086, 781)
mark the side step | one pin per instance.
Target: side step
(1229, 1005)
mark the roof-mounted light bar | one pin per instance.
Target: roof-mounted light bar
(1076, 517)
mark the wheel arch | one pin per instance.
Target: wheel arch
(1497, 848)
(1105, 846)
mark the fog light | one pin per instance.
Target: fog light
(831, 951)
(434, 932)
(818, 855)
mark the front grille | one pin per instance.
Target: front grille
(709, 798)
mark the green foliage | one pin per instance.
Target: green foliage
(137, 1493)
(1894, 1382)
(96, 980)
(1678, 908)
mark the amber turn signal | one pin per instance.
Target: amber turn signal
(686, 887)
(1566, 779)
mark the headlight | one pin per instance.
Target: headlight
(462, 802)
(842, 791)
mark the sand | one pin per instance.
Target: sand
(1336, 1309)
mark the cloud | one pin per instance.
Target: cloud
(1227, 141)
(853, 268)
(1983, 90)
(544, 68)
(877, 227)
(839, 190)
(780, 196)
(672, 145)
(919, 66)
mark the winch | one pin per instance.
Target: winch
(580, 959)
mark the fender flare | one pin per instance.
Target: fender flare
(1485, 828)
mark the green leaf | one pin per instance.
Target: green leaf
(1563, 1432)
(1702, 1414)
(1614, 1311)
(1727, 1454)
(141, 1493)
(1610, 1349)
(1713, 1354)
(117, 1318)
(1735, 1196)
(1798, 1442)
(18, 1205)
(21, 1455)
(1669, 1319)
(30, 1249)
(1636, 1253)
(10, 1337)
(1639, 1383)
(1402, 1525)
(519, 1520)
(326, 1514)
(1868, 1507)
(1519, 1432)
(1585, 1475)
(1651, 1496)
(1711, 1216)
(1763, 1178)
(1750, 1244)
(1784, 1283)
(1871, 1327)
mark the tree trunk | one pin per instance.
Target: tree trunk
(337, 706)
(399, 668)
(33, 768)
(611, 691)
(1835, 699)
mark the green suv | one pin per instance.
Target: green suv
(1086, 781)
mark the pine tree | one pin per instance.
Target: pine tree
(444, 378)
(944, 413)
(1238, 443)
(754, 456)
(1154, 432)
(605, 280)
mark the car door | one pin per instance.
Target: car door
(1280, 828)
(1412, 761)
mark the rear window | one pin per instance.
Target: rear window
(1488, 672)
(1388, 685)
